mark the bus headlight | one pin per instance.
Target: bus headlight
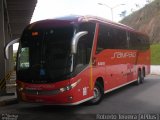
(69, 87)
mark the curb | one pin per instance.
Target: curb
(9, 102)
(155, 74)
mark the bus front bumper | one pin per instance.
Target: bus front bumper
(68, 95)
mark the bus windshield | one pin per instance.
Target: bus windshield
(44, 55)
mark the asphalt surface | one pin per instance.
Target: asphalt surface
(131, 99)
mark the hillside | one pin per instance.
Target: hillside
(146, 20)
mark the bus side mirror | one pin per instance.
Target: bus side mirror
(7, 47)
(75, 40)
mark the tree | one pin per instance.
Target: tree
(137, 5)
(123, 13)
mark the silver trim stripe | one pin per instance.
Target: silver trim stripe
(79, 102)
(107, 91)
(66, 104)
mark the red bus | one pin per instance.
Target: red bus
(74, 59)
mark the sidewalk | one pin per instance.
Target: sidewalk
(155, 69)
(8, 99)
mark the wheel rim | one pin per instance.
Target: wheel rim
(139, 79)
(97, 94)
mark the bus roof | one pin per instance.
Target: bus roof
(87, 18)
(79, 19)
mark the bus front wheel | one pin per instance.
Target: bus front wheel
(98, 94)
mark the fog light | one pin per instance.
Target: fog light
(70, 98)
(21, 89)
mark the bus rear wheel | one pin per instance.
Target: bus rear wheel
(98, 94)
(140, 78)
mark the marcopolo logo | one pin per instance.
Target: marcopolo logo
(124, 55)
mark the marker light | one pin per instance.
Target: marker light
(34, 33)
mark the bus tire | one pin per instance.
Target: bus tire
(142, 77)
(139, 78)
(98, 94)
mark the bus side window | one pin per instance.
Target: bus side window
(81, 52)
(133, 41)
(147, 43)
(102, 38)
(117, 39)
(144, 42)
(138, 42)
(84, 45)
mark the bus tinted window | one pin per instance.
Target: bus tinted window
(102, 38)
(138, 42)
(117, 39)
(134, 43)
(45, 57)
(84, 46)
(144, 42)
(111, 38)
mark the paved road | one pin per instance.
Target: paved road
(131, 99)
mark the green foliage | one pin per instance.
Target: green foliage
(155, 54)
